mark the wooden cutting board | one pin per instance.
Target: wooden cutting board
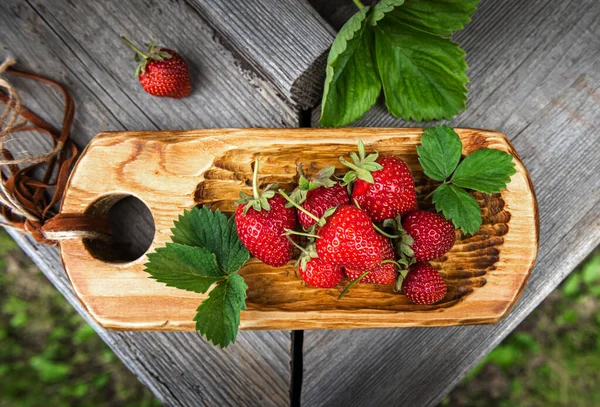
(174, 170)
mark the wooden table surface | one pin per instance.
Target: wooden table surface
(535, 76)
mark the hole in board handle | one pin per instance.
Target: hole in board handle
(132, 227)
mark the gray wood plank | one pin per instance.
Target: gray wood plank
(77, 43)
(284, 40)
(535, 75)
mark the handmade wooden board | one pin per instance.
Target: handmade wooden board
(174, 170)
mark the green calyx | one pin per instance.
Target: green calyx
(401, 276)
(320, 221)
(402, 241)
(259, 200)
(154, 53)
(307, 254)
(322, 179)
(362, 165)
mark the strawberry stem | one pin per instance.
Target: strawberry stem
(136, 49)
(429, 195)
(293, 232)
(296, 245)
(361, 173)
(384, 233)
(393, 262)
(359, 4)
(255, 181)
(352, 283)
(291, 201)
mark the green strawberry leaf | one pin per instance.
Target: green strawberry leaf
(218, 317)
(382, 8)
(423, 74)
(213, 231)
(351, 83)
(458, 206)
(435, 16)
(439, 152)
(185, 267)
(485, 170)
(206, 250)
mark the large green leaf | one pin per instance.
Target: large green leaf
(212, 230)
(188, 268)
(423, 74)
(458, 206)
(486, 170)
(440, 17)
(218, 317)
(380, 9)
(351, 84)
(439, 151)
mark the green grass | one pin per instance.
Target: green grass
(552, 358)
(49, 356)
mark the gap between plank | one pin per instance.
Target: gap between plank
(297, 348)
(297, 367)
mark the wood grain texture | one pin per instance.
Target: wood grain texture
(77, 44)
(173, 171)
(284, 40)
(535, 76)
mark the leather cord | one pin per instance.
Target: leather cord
(28, 201)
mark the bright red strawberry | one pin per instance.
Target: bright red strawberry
(391, 194)
(423, 284)
(348, 239)
(385, 274)
(317, 195)
(433, 235)
(162, 71)
(261, 221)
(384, 186)
(319, 200)
(321, 274)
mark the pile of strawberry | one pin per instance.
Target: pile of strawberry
(365, 226)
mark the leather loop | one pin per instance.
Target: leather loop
(28, 202)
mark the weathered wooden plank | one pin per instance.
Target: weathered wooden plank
(77, 43)
(284, 40)
(535, 75)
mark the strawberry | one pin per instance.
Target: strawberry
(261, 221)
(348, 239)
(319, 200)
(162, 71)
(432, 234)
(318, 195)
(385, 274)
(318, 273)
(384, 186)
(423, 284)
